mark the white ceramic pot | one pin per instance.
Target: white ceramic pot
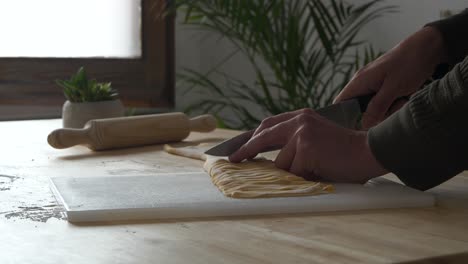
(75, 115)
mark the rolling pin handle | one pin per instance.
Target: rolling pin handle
(65, 138)
(203, 123)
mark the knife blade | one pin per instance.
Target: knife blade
(345, 113)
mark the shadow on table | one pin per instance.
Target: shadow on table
(446, 259)
(137, 150)
(237, 218)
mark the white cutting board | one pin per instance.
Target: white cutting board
(193, 195)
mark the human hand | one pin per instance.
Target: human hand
(398, 73)
(314, 148)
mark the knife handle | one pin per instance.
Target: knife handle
(365, 99)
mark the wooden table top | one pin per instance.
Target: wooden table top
(34, 230)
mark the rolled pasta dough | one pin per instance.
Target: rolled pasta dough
(258, 178)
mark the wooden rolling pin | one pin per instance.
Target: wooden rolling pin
(101, 134)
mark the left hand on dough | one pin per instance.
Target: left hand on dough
(314, 148)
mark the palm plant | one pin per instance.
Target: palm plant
(302, 52)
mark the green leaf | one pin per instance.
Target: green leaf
(301, 53)
(81, 89)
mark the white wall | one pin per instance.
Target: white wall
(384, 33)
(201, 52)
(188, 55)
(387, 31)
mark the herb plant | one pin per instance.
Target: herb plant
(80, 89)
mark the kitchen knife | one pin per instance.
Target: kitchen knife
(345, 113)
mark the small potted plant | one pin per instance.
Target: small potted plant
(87, 99)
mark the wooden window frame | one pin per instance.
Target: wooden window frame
(146, 82)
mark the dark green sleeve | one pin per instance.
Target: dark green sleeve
(426, 142)
(454, 31)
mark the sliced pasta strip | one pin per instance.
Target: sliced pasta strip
(260, 179)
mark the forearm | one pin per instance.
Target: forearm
(454, 31)
(426, 142)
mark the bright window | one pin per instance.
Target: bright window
(70, 28)
(120, 41)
